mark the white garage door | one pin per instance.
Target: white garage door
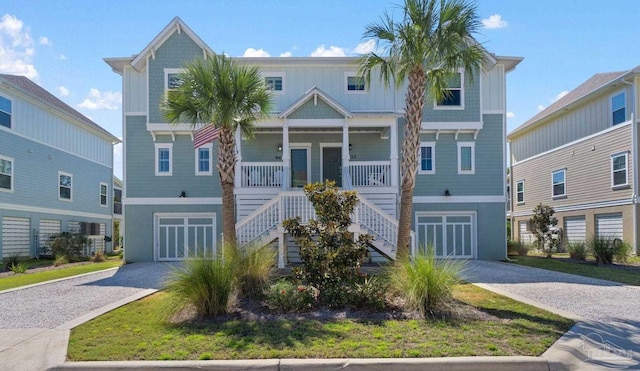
(450, 235)
(525, 235)
(46, 229)
(180, 236)
(609, 225)
(575, 229)
(16, 237)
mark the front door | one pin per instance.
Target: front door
(299, 167)
(332, 164)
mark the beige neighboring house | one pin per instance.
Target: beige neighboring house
(578, 155)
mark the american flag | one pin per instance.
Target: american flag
(204, 135)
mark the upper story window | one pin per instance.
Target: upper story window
(5, 112)
(172, 78)
(427, 158)
(466, 158)
(274, 83)
(619, 170)
(618, 108)
(65, 182)
(453, 94)
(104, 190)
(520, 192)
(203, 160)
(6, 174)
(558, 180)
(355, 84)
(117, 201)
(164, 158)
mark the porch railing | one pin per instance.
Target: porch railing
(262, 174)
(370, 173)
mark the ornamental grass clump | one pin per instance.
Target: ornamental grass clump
(426, 284)
(254, 266)
(606, 249)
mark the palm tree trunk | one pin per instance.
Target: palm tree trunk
(227, 168)
(414, 104)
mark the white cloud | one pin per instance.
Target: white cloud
(101, 100)
(16, 50)
(285, 54)
(511, 115)
(541, 107)
(251, 52)
(561, 94)
(494, 22)
(333, 51)
(43, 40)
(62, 57)
(117, 160)
(64, 92)
(365, 47)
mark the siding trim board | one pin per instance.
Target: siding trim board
(458, 199)
(171, 201)
(44, 210)
(560, 209)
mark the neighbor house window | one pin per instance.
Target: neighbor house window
(5, 112)
(453, 93)
(520, 192)
(466, 158)
(203, 160)
(117, 201)
(619, 170)
(65, 182)
(6, 173)
(104, 190)
(427, 158)
(164, 158)
(355, 83)
(558, 179)
(618, 112)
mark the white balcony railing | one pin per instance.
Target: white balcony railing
(261, 174)
(370, 173)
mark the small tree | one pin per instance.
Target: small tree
(330, 256)
(544, 227)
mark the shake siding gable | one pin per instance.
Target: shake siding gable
(319, 110)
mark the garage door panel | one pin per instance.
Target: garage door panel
(575, 229)
(16, 237)
(609, 225)
(525, 235)
(47, 228)
(184, 236)
(450, 235)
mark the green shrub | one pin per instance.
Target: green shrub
(370, 293)
(60, 260)
(21, 267)
(254, 267)
(285, 296)
(622, 249)
(10, 261)
(98, 257)
(519, 248)
(426, 284)
(68, 244)
(204, 283)
(577, 250)
(606, 249)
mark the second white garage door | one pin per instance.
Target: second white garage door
(180, 236)
(609, 226)
(575, 229)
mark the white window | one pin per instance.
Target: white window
(5, 112)
(164, 158)
(520, 192)
(466, 158)
(117, 201)
(203, 157)
(274, 81)
(172, 78)
(558, 180)
(619, 170)
(618, 111)
(6, 174)
(427, 158)
(454, 93)
(65, 189)
(104, 190)
(354, 83)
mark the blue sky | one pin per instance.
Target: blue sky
(60, 44)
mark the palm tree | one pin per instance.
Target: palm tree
(431, 43)
(217, 91)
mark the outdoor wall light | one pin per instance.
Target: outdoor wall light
(183, 194)
(446, 192)
(279, 147)
(350, 147)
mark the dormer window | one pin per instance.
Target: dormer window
(454, 93)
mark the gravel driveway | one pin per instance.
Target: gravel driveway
(50, 305)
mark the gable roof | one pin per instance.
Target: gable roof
(595, 83)
(34, 90)
(315, 93)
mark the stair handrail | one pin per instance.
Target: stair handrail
(254, 233)
(390, 231)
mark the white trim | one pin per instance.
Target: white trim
(594, 205)
(306, 146)
(329, 145)
(437, 107)
(157, 147)
(282, 75)
(564, 183)
(44, 210)
(346, 83)
(182, 215)
(61, 173)
(134, 113)
(473, 216)
(472, 145)
(611, 96)
(106, 204)
(433, 158)
(472, 127)
(517, 201)
(605, 131)
(167, 72)
(12, 175)
(208, 146)
(171, 201)
(315, 123)
(459, 199)
(626, 170)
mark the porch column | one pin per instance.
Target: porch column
(393, 144)
(286, 156)
(346, 177)
(238, 177)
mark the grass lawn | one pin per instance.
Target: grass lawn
(629, 277)
(134, 332)
(23, 279)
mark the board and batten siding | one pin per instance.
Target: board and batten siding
(587, 119)
(588, 172)
(493, 94)
(135, 90)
